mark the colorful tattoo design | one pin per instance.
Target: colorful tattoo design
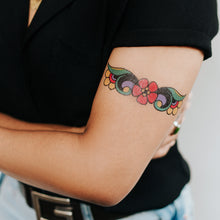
(125, 82)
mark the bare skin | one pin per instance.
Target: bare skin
(105, 162)
(33, 7)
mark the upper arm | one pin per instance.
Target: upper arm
(123, 134)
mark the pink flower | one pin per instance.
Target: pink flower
(145, 92)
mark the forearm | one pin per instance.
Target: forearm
(71, 164)
(9, 122)
(51, 160)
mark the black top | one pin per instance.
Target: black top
(44, 67)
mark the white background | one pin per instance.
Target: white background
(199, 139)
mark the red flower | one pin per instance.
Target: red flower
(145, 92)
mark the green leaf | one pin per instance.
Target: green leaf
(176, 95)
(117, 71)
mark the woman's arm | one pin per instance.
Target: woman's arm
(104, 163)
(9, 122)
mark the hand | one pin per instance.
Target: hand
(170, 140)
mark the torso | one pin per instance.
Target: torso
(33, 6)
(53, 76)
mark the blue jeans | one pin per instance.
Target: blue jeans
(14, 207)
(12, 203)
(180, 209)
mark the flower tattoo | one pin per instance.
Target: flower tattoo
(145, 91)
(164, 99)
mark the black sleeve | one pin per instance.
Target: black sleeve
(169, 23)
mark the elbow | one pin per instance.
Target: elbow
(102, 198)
(110, 193)
(108, 179)
(105, 192)
(113, 198)
(108, 199)
(109, 203)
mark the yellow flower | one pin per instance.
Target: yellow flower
(174, 109)
(109, 80)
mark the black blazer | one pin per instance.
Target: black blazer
(50, 71)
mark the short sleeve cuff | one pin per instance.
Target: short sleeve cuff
(164, 37)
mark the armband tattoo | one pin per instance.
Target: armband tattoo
(125, 82)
